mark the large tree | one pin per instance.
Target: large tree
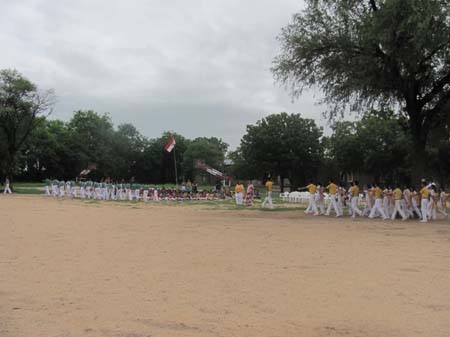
(20, 103)
(90, 141)
(284, 145)
(209, 150)
(376, 146)
(373, 53)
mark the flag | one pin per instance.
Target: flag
(170, 145)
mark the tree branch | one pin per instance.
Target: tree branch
(437, 88)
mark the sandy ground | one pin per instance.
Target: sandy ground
(71, 268)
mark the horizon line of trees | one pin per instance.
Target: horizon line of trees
(378, 146)
(280, 145)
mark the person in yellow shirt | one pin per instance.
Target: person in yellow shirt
(268, 199)
(369, 200)
(312, 206)
(332, 192)
(239, 193)
(425, 194)
(377, 207)
(354, 193)
(398, 197)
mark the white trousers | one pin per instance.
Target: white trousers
(386, 205)
(7, 189)
(239, 198)
(312, 207)
(377, 207)
(268, 199)
(367, 208)
(47, 190)
(333, 203)
(320, 205)
(355, 209)
(431, 210)
(398, 209)
(416, 209)
(424, 210)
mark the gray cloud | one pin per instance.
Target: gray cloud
(200, 68)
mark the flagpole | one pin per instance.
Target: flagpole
(175, 161)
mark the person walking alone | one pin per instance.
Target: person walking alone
(268, 199)
(354, 194)
(332, 192)
(7, 188)
(398, 196)
(312, 206)
(377, 207)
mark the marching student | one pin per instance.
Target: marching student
(432, 202)
(55, 191)
(320, 199)
(377, 207)
(425, 194)
(348, 196)
(155, 193)
(268, 199)
(406, 203)
(312, 207)
(398, 197)
(7, 189)
(145, 193)
(340, 199)
(48, 184)
(354, 193)
(83, 190)
(442, 204)
(333, 194)
(387, 193)
(369, 201)
(415, 201)
(61, 188)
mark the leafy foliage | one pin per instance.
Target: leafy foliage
(373, 54)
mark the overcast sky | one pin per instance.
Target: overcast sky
(198, 67)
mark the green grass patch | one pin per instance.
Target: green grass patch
(20, 190)
(28, 184)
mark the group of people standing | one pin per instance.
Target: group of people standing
(377, 202)
(246, 198)
(107, 190)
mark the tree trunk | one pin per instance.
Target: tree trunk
(419, 157)
(281, 184)
(419, 127)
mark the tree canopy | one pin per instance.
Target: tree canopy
(373, 54)
(284, 145)
(20, 104)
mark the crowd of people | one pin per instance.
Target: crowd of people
(373, 201)
(428, 203)
(108, 190)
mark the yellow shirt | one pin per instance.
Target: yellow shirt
(239, 188)
(355, 191)
(397, 194)
(378, 193)
(269, 185)
(312, 188)
(332, 188)
(425, 192)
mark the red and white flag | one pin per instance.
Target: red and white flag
(170, 145)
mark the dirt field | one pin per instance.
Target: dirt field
(72, 268)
